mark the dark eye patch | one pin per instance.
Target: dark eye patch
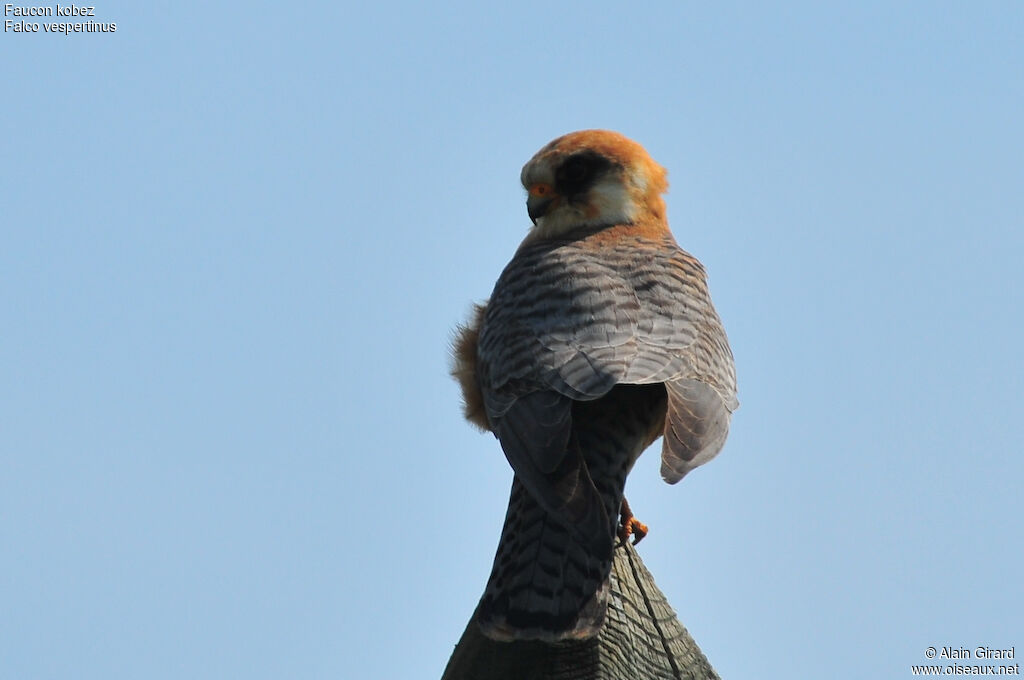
(576, 169)
(578, 172)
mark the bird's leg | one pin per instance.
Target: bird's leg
(628, 524)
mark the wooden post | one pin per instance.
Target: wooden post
(641, 639)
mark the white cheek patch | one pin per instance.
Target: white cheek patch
(639, 180)
(612, 202)
(557, 221)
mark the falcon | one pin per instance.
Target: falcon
(599, 338)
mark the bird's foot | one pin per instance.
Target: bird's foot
(630, 525)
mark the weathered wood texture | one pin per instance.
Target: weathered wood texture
(642, 639)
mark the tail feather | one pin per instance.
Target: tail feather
(546, 583)
(550, 574)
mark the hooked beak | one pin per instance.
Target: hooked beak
(541, 197)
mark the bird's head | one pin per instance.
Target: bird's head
(592, 178)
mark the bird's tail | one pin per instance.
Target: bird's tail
(550, 574)
(548, 582)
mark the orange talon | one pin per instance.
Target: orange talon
(630, 525)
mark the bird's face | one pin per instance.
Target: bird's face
(591, 178)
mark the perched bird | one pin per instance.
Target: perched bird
(599, 337)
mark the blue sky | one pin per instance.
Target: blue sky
(236, 238)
